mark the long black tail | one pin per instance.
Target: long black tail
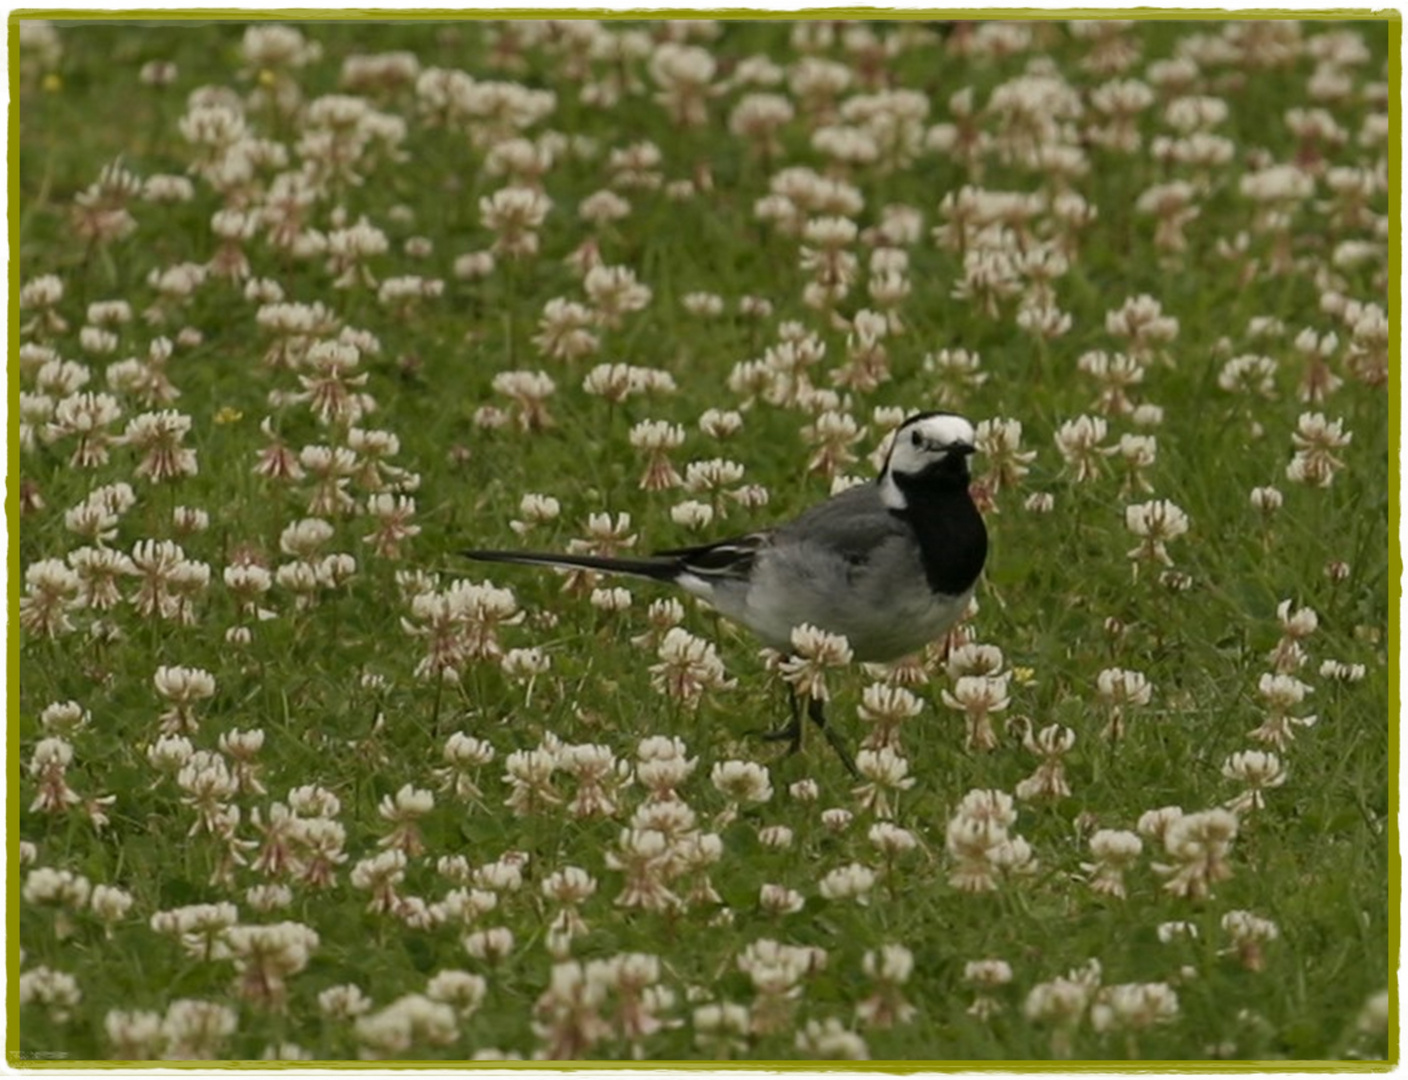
(659, 569)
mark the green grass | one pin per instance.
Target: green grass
(333, 685)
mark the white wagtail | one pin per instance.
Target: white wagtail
(889, 564)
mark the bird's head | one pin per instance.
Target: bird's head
(930, 447)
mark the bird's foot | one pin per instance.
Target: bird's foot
(790, 733)
(818, 716)
(839, 745)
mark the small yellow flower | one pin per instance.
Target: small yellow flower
(1023, 676)
(52, 83)
(228, 415)
(267, 77)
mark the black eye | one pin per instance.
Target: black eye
(915, 439)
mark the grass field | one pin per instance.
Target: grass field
(298, 323)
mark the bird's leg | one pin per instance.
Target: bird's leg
(815, 711)
(791, 733)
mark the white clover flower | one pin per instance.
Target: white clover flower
(461, 989)
(711, 475)
(688, 667)
(837, 818)
(703, 304)
(742, 781)
(1341, 672)
(524, 664)
(833, 434)
(989, 804)
(1316, 440)
(515, 214)
(613, 599)
(1282, 692)
(720, 423)
(890, 963)
(52, 756)
(779, 900)
(570, 885)
(813, 651)
(775, 836)
(183, 687)
(1044, 321)
(1061, 1002)
(988, 973)
(851, 882)
(721, 1028)
(343, 1002)
(47, 886)
(1155, 523)
(1118, 689)
(268, 897)
(158, 435)
(830, 1040)
(195, 1030)
(399, 293)
(891, 840)
(1155, 823)
(1245, 928)
(1266, 499)
(409, 1020)
(979, 844)
(999, 441)
(63, 717)
(1256, 769)
(1114, 851)
(692, 514)
(1173, 204)
(1142, 322)
(1051, 744)
(490, 945)
(1133, 1006)
(757, 117)
(473, 265)
(1298, 623)
(56, 992)
(1137, 453)
(43, 291)
(1079, 443)
(536, 510)
(804, 791)
(684, 74)
(884, 770)
(978, 697)
(1169, 932)
(133, 1035)
(565, 330)
(96, 340)
(276, 45)
(169, 753)
(617, 382)
(615, 293)
(1199, 843)
(529, 391)
(886, 707)
(1277, 183)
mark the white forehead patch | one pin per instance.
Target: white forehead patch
(942, 430)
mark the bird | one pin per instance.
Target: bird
(890, 563)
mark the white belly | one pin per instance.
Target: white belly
(877, 635)
(879, 629)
